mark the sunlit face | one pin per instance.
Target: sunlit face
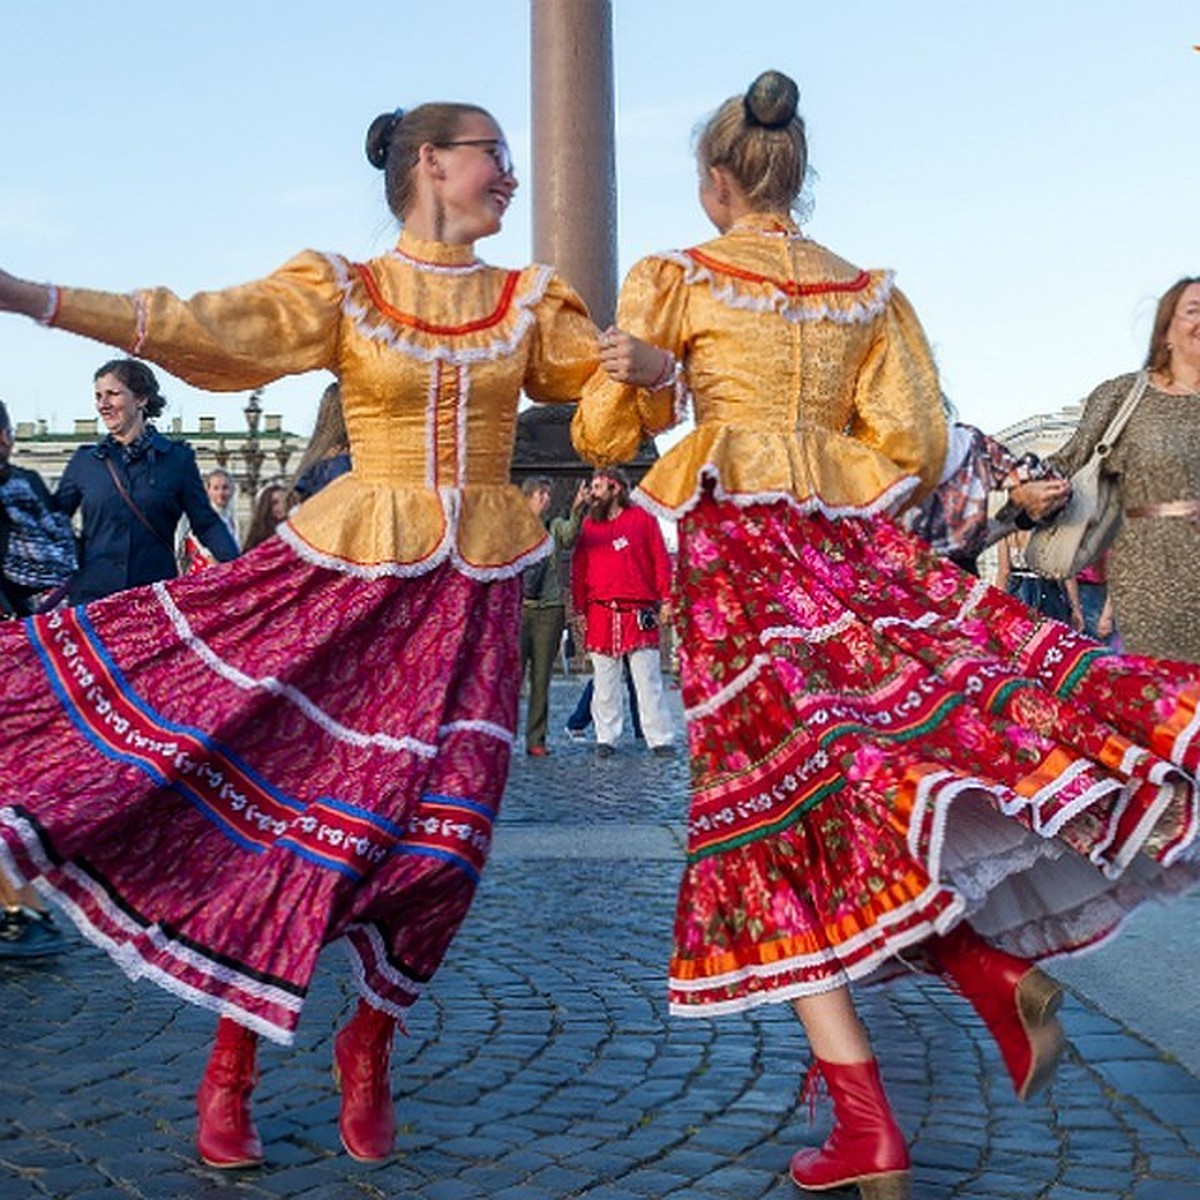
(220, 490)
(1183, 334)
(476, 181)
(123, 413)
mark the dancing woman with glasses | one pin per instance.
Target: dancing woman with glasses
(889, 758)
(222, 774)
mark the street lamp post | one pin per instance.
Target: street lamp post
(252, 452)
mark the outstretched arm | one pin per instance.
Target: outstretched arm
(22, 296)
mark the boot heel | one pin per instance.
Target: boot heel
(1046, 1045)
(886, 1187)
(1039, 998)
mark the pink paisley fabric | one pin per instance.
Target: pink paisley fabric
(220, 775)
(882, 744)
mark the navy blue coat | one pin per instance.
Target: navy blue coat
(117, 550)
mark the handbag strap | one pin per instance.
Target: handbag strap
(132, 504)
(1122, 415)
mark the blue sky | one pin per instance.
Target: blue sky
(1028, 168)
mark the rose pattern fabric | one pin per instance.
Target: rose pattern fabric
(881, 743)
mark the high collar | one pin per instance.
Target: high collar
(765, 222)
(441, 254)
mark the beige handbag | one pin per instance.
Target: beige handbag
(1083, 529)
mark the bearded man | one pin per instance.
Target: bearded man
(620, 581)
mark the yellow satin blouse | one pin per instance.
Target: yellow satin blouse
(432, 349)
(810, 380)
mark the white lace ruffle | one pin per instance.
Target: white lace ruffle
(375, 327)
(778, 301)
(334, 728)
(445, 552)
(886, 502)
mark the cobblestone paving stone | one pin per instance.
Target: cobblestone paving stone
(541, 1065)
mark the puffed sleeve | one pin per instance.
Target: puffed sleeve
(613, 419)
(565, 350)
(240, 337)
(897, 399)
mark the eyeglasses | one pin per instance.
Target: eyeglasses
(495, 148)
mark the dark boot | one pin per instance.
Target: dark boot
(225, 1135)
(866, 1146)
(361, 1055)
(1016, 999)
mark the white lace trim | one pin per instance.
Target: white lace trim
(861, 312)
(380, 965)
(445, 552)
(141, 322)
(382, 330)
(268, 683)
(487, 728)
(821, 633)
(1186, 737)
(438, 268)
(736, 685)
(898, 941)
(47, 315)
(887, 501)
(126, 956)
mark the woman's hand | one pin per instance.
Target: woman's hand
(21, 296)
(628, 359)
(1041, 497)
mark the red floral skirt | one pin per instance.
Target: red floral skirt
(883, 745)
(219, 775)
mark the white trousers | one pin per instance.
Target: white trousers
(607, 709)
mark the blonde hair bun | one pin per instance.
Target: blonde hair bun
(772, 100)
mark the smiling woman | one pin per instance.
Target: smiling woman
(267, 788)
(131, 490)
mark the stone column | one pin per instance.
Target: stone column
(574, 173)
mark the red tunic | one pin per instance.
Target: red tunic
(620, 568)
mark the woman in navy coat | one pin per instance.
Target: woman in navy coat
(133, 487)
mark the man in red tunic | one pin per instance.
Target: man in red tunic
(620, 580)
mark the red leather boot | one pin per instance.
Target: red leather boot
(225, 1135)
(360, 1068)
(866, 1146)
(1016, 999)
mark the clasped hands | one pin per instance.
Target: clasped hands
(1041, 498)
(628, 359)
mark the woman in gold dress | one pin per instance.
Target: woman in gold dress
(219, 775)
(888, 756)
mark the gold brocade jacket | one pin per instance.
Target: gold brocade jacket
(432, 349)
(810, 380)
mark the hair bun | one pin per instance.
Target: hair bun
(771, 100)
(379, 137)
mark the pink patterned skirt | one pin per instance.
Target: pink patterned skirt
(219, 775)
(883, 745)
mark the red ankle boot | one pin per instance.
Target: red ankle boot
(360, 1068)
(1016, 999)
(225, 1135)
(866, 1146)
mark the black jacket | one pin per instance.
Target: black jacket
(117, 550)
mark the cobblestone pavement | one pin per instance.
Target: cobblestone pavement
(541, 1065)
